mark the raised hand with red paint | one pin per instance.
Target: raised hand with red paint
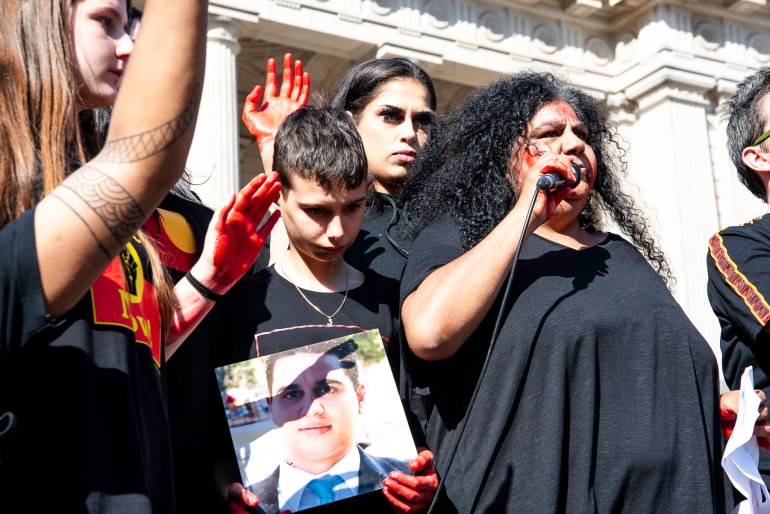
(263, 122)
(233, 242)
(412, 493)
(236, 239)
(728, 413)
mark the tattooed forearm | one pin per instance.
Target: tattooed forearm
(89, 191)
(88, 226)
(141, 146)
(120, 213)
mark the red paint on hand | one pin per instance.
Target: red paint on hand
(728, 414)
(240, 500)
(412, 493)
(234, 240)
(263, 122)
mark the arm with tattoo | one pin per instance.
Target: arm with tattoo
(115, 209)
(85, 221)
(143, 146)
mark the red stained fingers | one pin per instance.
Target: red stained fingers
(222, 213)
(271, 79)
(297, 87)
(240, 499)
(250, 106)
(408, 493)
(260, 199)
(412, 493)
(265, 230)
(286, 82)
(423, 462)
(244, 197)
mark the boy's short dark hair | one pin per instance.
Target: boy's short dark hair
(320, 144)
(745, 124)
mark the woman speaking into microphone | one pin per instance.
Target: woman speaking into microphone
(599, 394)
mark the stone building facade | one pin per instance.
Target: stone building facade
(664, 67)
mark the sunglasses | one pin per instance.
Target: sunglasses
(762, 137)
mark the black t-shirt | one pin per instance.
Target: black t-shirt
(600, 395)
(739, 292)
(268, 315)
(199, 434)
(383, 243)
(92, 430)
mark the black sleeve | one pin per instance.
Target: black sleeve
(738, 281)
(436, 246)
(21, 294)
(240, 312)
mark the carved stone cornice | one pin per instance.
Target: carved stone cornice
(671, 84)
(606, 45)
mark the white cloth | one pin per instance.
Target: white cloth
(742, 452)
(292, 481)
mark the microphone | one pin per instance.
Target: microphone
(553, 180)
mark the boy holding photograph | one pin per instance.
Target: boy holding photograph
(311, 294)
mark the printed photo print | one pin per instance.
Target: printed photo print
(318, 424)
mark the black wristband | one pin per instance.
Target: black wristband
(203, 290)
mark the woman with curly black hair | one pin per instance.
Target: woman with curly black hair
(474, 153)
(600, 394)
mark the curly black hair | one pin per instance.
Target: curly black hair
(464, 171)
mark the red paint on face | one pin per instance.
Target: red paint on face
(556, 128)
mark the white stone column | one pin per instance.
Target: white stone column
(213, 159)
(671, 163)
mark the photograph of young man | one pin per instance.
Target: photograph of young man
(316, 401)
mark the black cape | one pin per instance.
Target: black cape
(601, 396)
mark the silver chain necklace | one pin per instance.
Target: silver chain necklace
(319, 311)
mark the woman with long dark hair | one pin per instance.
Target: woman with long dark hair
(599, 394)
(393, 102)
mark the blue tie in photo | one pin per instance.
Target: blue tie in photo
(323, 488)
